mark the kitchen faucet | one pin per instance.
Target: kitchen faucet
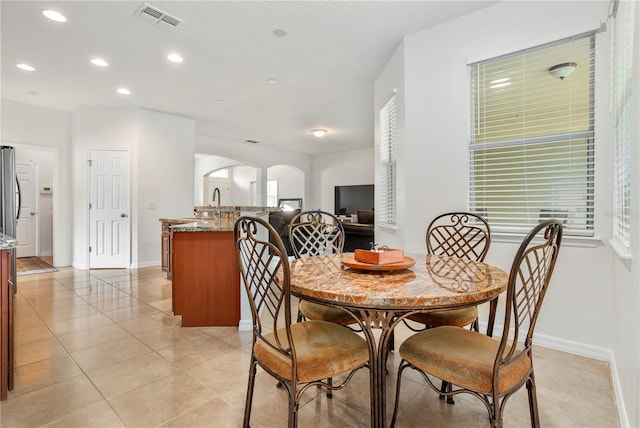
(216, 191)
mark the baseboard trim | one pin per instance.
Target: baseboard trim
(617, 390)
(144, 265)
(584, 350)
(578, 348)
(245, 325)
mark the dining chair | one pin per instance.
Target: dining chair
(456, 234)
(491, 369)
(314, 233)
(466, 236)
(298, 355)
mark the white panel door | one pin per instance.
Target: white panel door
(27, 225)
(109, 231)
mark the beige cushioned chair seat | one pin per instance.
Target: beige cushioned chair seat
(323, 349)
(457, 317)
(462, 357)
(315, 311)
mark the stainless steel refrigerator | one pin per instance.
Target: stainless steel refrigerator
(9, 198)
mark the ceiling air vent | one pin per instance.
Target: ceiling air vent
(157, 16)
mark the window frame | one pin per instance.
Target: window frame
(586, 227)
(388, 162)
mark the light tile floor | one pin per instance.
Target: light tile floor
(102, 349)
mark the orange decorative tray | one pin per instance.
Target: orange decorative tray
(384, 257)
(351, 262)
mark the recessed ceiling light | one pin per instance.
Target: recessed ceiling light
(279, 32)
(99, 62)
(34, 93)
(272, 81)
(174, 57)
(25, 67)
(319, 132)
(124, 91)
(220, 101)
(54, 15)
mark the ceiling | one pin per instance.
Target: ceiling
(325, 65)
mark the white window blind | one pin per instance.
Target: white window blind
(622, 110)
(532, 137)
(388, 163)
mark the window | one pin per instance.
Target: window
(622, 110)
(272, 193)
(388, 162)
(532, 137)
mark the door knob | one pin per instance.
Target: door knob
(33, 213)
(123, 215)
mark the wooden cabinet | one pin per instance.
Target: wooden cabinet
(205, 278)
(6, 323)
(166, 249)
(166, 243)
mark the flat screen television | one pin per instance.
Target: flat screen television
(348, 199)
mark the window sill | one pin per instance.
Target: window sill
(569, 241)
(620, 250)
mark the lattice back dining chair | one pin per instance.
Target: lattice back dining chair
(314, 233)
(465, 236)
(492, 370)
(298, 355)
(457, 234)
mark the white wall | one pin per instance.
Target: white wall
(429, 71)
(30, 127)
(163, 176)
(241, 178)
(338, 169)
(626, 275)
(290, 181)
(161, 148)
(254, 155)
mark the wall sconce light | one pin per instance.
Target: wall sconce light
(319, 132)
(562, 70)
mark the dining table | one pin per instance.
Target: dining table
(380, 296)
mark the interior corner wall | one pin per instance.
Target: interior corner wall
(338, 169)
(433, 148)
(162, 179)
(392, 80)
(31, 127)
(626, 275)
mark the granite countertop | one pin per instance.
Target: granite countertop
(236, 208)
(200, 225)
(7, 242)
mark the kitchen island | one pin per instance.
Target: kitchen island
(205, 280)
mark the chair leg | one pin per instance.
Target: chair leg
(475, 326)
(249, 399)
(446, 387)
(329, 390)
(533, 402)
(401, 368)
(495, 413)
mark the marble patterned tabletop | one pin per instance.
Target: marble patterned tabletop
(433, 282)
